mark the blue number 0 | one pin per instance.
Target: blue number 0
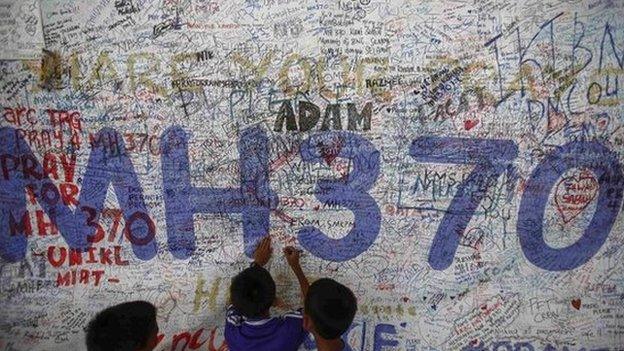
(606, 167)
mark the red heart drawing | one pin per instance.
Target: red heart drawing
(556, 121)
(331, 149)
(575, 193)
(576, 303)
(470, 123)
(602, 123)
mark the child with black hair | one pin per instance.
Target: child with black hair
(329, 307)
(249, 325)
(129, 326)
(328, 313)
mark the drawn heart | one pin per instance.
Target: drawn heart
(470, 123)
(602, 123)
(576, 303)
(575, 193)
(556, 121)
(331, 149)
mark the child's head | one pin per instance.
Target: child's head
(253, 292)
(329, 308)
(129, 326)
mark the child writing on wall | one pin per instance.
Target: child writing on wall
(249, 325)
(329, 309)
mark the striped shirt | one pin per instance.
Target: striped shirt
(283, 333)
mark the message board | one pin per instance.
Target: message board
(457, 164)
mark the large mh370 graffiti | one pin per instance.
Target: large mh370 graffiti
(254, 200)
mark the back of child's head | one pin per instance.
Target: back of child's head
(124, 327)
(331, 306)
(253, 292)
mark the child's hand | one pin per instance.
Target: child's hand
(263, 251)
(292, 256)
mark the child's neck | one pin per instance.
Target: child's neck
(329, 345)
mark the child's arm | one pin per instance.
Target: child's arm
(262, 254)
(292, 256)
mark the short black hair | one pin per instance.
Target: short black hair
(253, 292)
(123, 327)
(331, 306)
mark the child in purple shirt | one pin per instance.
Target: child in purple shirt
(329, 309)
(249, 325)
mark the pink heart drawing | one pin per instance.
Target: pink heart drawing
(470, 123)
(575, 193)
(331, 149)
(576, 303)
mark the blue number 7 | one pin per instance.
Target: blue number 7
(491, 158)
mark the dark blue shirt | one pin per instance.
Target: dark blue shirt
(283, 333)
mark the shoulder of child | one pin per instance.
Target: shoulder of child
(232, 316)
(293, 314)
